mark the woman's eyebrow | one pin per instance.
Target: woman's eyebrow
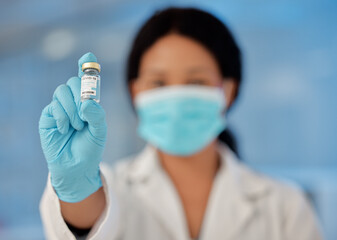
(197, 70)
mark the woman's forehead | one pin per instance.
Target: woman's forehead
(177, 53)
(191, 70)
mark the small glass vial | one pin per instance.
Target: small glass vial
(91, 81)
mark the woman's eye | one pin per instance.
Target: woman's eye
(197, 81)
(157, 83)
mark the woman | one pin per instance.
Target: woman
(184, 72)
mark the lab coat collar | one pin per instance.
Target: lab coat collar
(144, 164)
(158, 193)
(248, 183)
(232, 200)
(230, 204)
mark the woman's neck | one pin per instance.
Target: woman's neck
(202, 164)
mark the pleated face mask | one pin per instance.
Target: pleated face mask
(181, 119)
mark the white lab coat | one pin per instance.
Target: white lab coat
(142, 204)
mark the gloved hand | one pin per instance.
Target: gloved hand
(73, 136)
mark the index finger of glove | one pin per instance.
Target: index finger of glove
(47, 121)
(74, 84)
(53, 116)
(65, 97)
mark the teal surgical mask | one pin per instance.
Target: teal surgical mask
(181, 119)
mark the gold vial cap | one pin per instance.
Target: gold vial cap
(94, 65)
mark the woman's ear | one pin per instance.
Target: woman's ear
(230, 88)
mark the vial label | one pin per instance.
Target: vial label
(88, 86)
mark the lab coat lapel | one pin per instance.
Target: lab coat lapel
(230, 205)
(159, 194)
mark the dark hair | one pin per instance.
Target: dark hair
(203, 28)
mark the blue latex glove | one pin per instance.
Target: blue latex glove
(73, 136)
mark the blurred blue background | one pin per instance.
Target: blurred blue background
(285, 120)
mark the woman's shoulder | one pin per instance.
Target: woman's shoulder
(281, 197)
(284, 200)
(279, 189)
